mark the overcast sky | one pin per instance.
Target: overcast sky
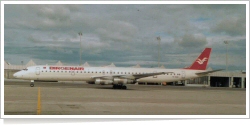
(125, 34)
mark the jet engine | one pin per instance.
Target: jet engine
(123, 81)
(103, 82)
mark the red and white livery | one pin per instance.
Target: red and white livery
(116, 76)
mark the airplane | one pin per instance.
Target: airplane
(116, 76)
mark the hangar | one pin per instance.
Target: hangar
(227, 79)
(232, 79)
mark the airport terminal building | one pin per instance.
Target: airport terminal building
(232, 79)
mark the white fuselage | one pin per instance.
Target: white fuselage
(79, 73)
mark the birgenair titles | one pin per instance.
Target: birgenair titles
(119, 77)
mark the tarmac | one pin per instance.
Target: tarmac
(79, 98)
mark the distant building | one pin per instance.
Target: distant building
(136, 66)
(59, 63)
(86, 64)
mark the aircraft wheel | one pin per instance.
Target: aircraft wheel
(31, 84)
(119, 87)
(114, 86)
(124, 87)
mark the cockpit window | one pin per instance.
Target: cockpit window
(25, 69)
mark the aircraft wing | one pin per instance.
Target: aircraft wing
(133, 76)
(207, 72)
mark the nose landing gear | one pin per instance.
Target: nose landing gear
(32, 83)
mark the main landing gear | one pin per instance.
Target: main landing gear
(32, 83)
(115, 86)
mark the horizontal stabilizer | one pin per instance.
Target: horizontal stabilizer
(207, 72)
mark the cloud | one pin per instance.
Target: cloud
(116, 30)
(54, 13)
(231, 26)
(190, 40)
(33, 39)
(123, 34)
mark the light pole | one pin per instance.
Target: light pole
(22, 64)
(80, 34)
(159, 40)
(226, 42)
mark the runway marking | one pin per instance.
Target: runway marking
(39, 102)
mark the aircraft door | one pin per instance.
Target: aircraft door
(183, 75)
(37, 70)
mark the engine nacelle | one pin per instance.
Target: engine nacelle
(123, 81)
(103, 82)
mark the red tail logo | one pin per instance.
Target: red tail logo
(201, 62)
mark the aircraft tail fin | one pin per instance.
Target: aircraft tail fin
(201, 62)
